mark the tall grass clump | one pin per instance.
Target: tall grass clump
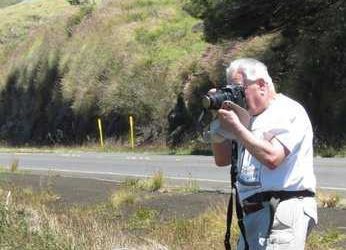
(152, 184)
(123, 197)
(328, 200)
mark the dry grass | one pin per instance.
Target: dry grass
(329, 200)
(191, 186)
(16, 20)
(14, 165)
(206, 231)
(328, 240)
(123, 197)
(17, 23)
(30, 221)
(152, 184)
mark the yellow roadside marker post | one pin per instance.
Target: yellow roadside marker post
(100, 131)
(131, 132)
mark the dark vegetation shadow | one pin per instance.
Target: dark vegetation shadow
(307, 60)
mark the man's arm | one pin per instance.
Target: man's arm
(271, 152)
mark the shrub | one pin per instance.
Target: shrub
(122, 197)
(328, 200)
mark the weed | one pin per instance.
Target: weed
(151, 184)
(14, 165)
(330, 200)
(123, 197)
(156, 182)
(131, 183)
(142, 218)
(191, 186)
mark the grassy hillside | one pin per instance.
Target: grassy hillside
(17, 23)
(63, 66)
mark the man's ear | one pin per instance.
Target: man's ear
(261, 83)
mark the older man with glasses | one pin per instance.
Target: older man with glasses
(275, 181)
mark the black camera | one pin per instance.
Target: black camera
(234, 93)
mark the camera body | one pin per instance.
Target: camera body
(233, 93)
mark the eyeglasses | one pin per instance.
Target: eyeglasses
(247, 83)
(233, 82)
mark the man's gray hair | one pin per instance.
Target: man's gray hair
(251, 69)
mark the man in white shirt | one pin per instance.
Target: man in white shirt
(275, 165)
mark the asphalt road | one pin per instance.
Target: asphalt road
(330, 172)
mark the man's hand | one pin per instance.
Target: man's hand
(270, 152)
(229, 120)
(212, 91)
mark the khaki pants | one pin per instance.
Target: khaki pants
(292, 223)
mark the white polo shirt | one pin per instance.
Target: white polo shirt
(286, 120)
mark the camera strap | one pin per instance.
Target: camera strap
(234, 192)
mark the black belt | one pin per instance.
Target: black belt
(252, 207)
(254, 203)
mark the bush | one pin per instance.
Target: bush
(306, 57)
